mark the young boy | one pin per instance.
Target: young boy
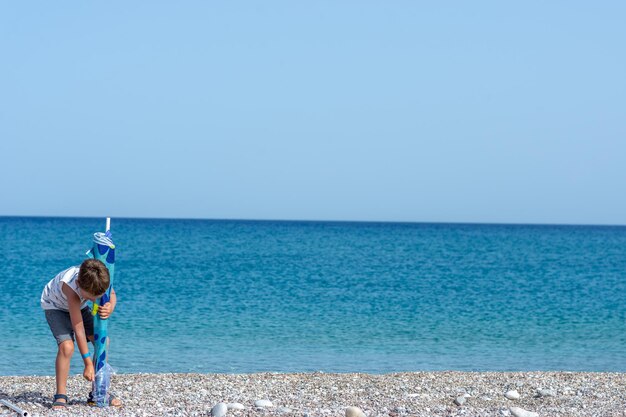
(63, 300)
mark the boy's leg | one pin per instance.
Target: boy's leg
(64, 355)
(61, 327)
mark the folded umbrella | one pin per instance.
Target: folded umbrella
(103, 250)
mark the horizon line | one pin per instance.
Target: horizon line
(321, 221)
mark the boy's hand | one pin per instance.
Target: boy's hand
(88, 373)
(105, 311)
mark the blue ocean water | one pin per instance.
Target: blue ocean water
(247, 296)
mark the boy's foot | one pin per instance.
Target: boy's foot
(113, 400)
(58, 404)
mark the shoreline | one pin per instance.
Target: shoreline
(556, 393)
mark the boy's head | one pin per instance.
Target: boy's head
(93, 277)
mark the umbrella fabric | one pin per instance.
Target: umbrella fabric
(103, 250)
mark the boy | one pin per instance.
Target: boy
(63, 300)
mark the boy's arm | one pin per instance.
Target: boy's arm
(77, 322)
(113, 299)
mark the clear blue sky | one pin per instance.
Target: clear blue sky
(344, 110)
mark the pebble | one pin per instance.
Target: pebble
(354, 412)
(460, 400)
(520, 412)
(263, 403)
(219, 410)
(512, 395)
(235, 406)
(182, 395)
(546, 393)
(284, 410)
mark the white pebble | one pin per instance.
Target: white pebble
(519, 412)
(235, 406)
(460, 400)
(263, 403)
(354, 412)
(219, 410)
(546, 392)
(512, 395)
(284, 410)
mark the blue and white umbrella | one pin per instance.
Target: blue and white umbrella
(103, 250)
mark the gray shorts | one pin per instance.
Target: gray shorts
(61, 324)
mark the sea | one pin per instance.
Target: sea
(230, 296)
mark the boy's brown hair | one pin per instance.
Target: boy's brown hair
(93, 277)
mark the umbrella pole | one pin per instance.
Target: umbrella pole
(101, 383)
(15, 408)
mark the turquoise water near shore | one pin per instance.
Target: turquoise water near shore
(247, 296)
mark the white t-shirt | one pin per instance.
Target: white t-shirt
(53, 298)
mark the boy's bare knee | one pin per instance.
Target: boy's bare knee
(66, 348)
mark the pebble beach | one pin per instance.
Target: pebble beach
(517, 394)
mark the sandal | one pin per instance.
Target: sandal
(92, 402)
(57, 403)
